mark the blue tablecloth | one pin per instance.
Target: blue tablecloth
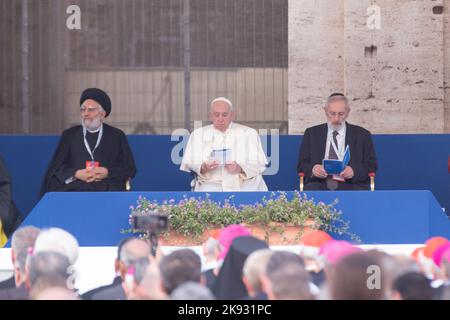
(380, 217)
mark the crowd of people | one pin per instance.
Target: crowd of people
(234, 265)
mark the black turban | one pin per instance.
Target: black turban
(99, 96)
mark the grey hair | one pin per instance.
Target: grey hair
(127, 256)
(192, 291)
(221, 99)
(50, 267)
(334, 98)
(291, 282)
(57, 240)
(140, 266)
(279, 258)
(210, 246)
(22, 239)
(255, 266)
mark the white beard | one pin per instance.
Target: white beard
(91, 125)
(336, 127)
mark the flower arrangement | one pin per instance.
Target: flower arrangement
(192, 217)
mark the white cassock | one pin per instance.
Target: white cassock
(246, 150)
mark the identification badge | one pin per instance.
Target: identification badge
(337, 177)
(92, 164)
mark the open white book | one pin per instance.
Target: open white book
(222, 156)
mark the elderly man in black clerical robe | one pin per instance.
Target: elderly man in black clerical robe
(92, 156)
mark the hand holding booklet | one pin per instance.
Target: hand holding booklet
(334, 166)
(222, 156)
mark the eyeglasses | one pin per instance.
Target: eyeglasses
(339, 114)
(88, 109)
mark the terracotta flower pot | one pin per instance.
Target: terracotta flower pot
(275, 234)
(279, 234)
(173, 238)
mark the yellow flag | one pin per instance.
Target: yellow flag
(3, 237)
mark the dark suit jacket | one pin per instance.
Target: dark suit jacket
(362, 153)
(112, 293)
(19, 293)
(91, 293)
(8, 283)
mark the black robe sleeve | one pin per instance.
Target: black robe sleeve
(127, 167)
(9, 214)
(51, 180)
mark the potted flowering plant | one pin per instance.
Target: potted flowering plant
(277, 219)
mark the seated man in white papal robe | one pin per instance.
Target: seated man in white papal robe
(225, 156)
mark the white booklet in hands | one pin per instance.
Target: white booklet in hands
(222, 156)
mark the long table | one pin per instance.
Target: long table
(379, 217)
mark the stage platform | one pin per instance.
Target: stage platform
(379, 217)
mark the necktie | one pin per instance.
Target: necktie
(332, 154)
(332, 184)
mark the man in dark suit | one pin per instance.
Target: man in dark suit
(328, 141)
(131, 250)
(117, 281)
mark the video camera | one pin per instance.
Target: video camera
(153, 225)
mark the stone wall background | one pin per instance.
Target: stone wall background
(397, 77)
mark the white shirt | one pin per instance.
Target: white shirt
(340, 139)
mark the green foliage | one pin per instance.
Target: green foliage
(191, 217)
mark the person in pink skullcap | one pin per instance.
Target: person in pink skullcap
(437, 254)
(430, 269)
(432, 244)
(331, 253)
(334, 250)
(228, 234)
(441, 258)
